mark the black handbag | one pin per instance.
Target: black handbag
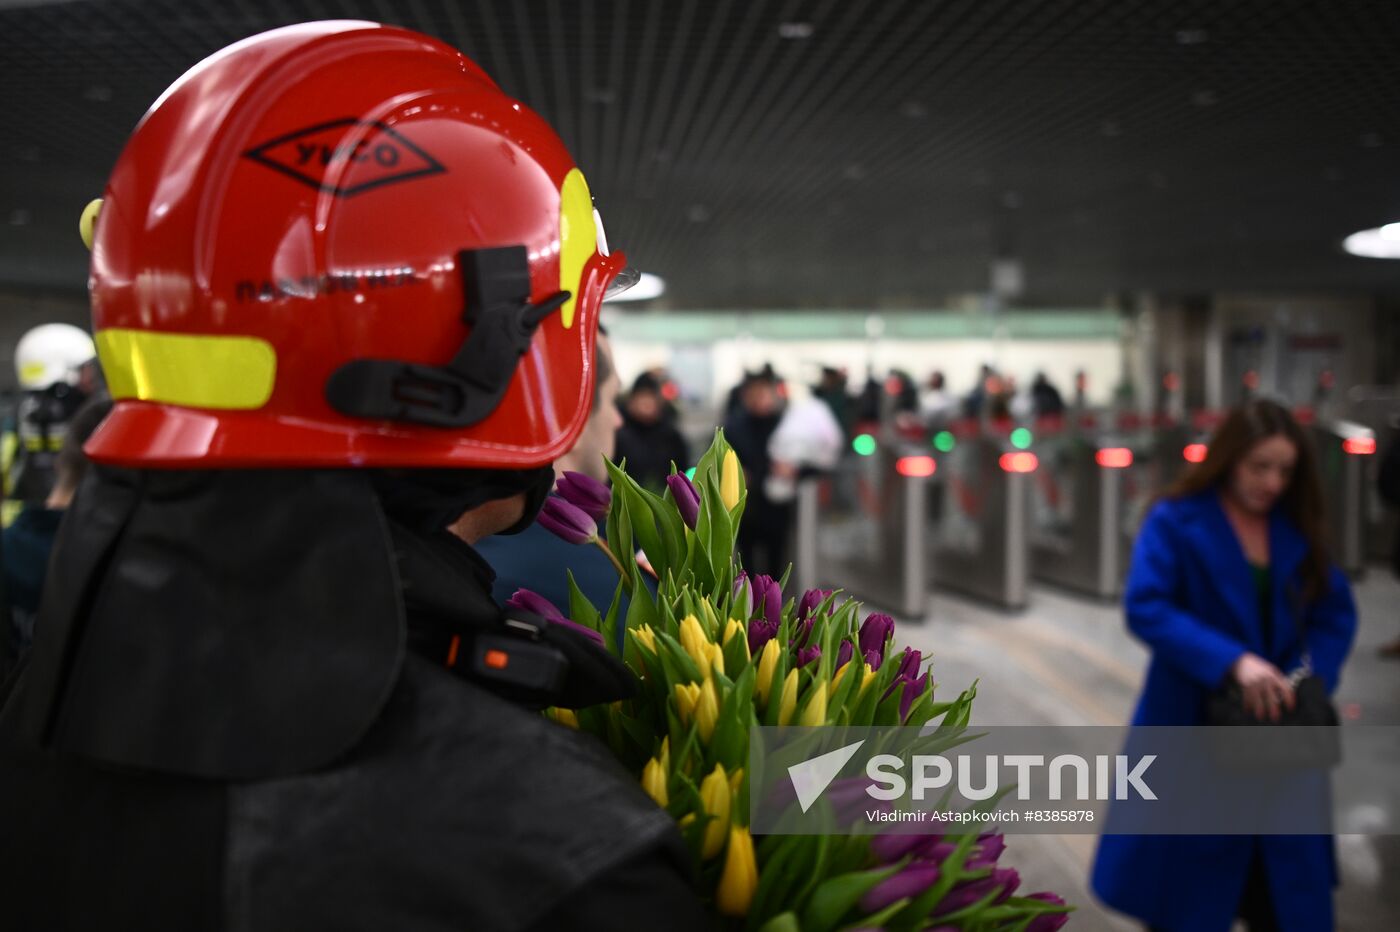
(1312, 706)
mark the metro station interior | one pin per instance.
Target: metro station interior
(984, 278)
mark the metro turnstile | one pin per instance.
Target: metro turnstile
(861, 529)
(1343, 451)
(978, 520)
(1078, 512)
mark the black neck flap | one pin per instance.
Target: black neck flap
(465, 391)
(230, 625)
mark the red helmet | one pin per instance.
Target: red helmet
(340, 243)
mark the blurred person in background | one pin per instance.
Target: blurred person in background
(269, 688)
(29, 539)
(648, 441)
(1228, 566)
(937, 406)
(832, 391)
(764, 531)
(535, 559)
(1046, 398)
(56, 368)
(987, 385)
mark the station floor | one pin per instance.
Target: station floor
(1069, 660)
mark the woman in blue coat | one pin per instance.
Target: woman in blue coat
(1226, 564)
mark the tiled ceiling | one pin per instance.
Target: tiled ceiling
(836, 153)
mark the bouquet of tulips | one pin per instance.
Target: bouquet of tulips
(718, 652)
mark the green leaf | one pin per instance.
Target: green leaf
(836, 896)
(581, 611)
(783, 922)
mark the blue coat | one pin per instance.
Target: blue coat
(1192, 598)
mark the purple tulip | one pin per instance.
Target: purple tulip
(523, 600)
(807, 654)
(874, 632)
(767, 598)
(1052, 921)
(568, 522)
(873, 658)
(687, 498)
(909, 882)
(739, 587)
(810, 600)
(908, 669)
(890, 847)
(987, 852)
(844, 654)
(586, 493)
(1004, 880)
(913, 689)
(760, 633)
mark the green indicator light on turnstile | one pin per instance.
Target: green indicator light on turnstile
(1021, 438)
(944, 442)
(863, 444)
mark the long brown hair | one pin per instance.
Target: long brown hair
(1243, 427)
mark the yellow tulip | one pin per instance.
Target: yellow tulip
(707, 709)
(666, 754)
(788, 704)
(836, 680)
(714, 796)
(767, 663)
(739, 878)
(815, 711)
(729, 480)
(716, 660)
(646, 636)
(869, 675)
(736, 780)
(732, 627)
(687, 695)
(564, 717)
(654, 781)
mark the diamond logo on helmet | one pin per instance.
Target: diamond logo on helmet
(346, 157)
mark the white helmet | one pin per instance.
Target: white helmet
(52, 353)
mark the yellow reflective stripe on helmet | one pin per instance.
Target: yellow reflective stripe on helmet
(194, 370)
(578, 238)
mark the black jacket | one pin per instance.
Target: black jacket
(184, 752)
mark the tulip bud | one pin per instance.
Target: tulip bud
(686, 497)
(644, 635)
(707, 709)
(714, 796)
(586, 493)
(807, 654)
(695, 642)
(814, 713)
(665, 755)
(767, 599)
(687, 695)
(767, 663)
(874, 632)
(736, 782)
(844, 654)
(1048, 922)
(908, 883)
(565, 717)
(567, 522)
(532, 603)
(788, 703)
(715, 660)
(867, 678)
(739, 878)
(654, 781)
(729, 480)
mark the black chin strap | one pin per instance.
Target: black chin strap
(467, 389)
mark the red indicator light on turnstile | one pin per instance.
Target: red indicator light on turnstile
(1114, 457)
(1360, 445)
(1194, 453)
(915, 466)
(1018, 462)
